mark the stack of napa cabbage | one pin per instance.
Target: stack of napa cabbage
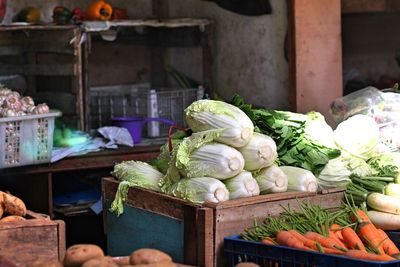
(222, 159)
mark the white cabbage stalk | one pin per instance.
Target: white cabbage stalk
(200, 190)
(133, 173)
(260, 152)
(199, 156)
(271, 180)
(392, 190)
(358, 136)
(300, 179)
(214, 160)
(203, 115)
(242, 185)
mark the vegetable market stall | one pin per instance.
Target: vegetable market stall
(191, 233)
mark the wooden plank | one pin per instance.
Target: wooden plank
(208, 81)
(363, 6)
(98, 160)
(205, 237)
(258, 199)
(77, 81)
(234, 220)
(34, 240)
(46, 27)
(37, 69)
(61, 239)
(150, 200)
(315, 55)
(190, 234)
(6, 50)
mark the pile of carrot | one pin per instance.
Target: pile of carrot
(356, 237)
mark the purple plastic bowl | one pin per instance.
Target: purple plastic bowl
(134, 125)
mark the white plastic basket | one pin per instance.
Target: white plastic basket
(26, 140)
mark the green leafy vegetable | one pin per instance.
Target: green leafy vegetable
(133, 173)
(288, 131)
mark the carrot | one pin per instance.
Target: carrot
(337, 229)
(360, 217)
(324, 241)
(351, 239)
(336, 238)
(364, 255)
(307, 242)
(370, 236)
(285, 238)
(388, 245)
(268, 241)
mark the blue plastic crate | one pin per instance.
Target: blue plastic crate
(239, 250)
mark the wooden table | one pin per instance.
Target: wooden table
(35, 183)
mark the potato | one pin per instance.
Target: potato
(1, 209)
(47, 264)
(148, 256)
(76, 255)
(12, 218)
(247, 264)
(120, 261)
(100, 262)
(4, 262)
(13, 205)
(157, 264)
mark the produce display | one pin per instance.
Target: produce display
(232, 150)
(347, 232)
(12, 104)
(220, 157)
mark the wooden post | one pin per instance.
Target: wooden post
(315, 55)
(158, 75)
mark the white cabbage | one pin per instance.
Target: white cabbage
(300, 179)
(260, 152)
(203, 115)
(200, 189)
(271, 180)
(242, 185)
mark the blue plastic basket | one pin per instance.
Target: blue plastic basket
(239, 250)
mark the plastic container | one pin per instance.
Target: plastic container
(134, 125)
(239, 250)
(26, 140)
(139, 100)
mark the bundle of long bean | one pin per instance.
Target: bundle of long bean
(310, 218)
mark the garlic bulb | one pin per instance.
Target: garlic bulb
(21, 113)
(41, 109)
(12, 102)
(26, 102)
(30, 109)
(6, 112)
(14, 94)
(4, 91)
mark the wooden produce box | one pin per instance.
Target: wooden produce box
(192, 234)
(37, 239)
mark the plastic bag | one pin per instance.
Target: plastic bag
(118, 135)
(367, 101)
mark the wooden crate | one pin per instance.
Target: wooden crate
(191, 234)
(37, 239)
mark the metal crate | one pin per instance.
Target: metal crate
(140, 100)
(26, 140)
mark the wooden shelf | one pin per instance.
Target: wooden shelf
(21, 27)
(368, 6)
